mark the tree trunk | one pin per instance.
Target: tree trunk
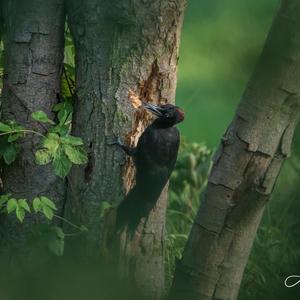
(33, 64)
(245, 169)
(121, 46)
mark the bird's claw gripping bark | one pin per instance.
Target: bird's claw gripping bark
(128, 150)
(117, 142)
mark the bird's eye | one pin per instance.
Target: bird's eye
(167, 115)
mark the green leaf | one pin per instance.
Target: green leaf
(70, 67)
(36, 205)
(46, 201)
(104, 207)
(51, 142)
(4, 199)
(10, 153)
(4, 127)
(14, 137)
(23, 203)
(58, 106)
(61, 164)
(64, 112)
(48, 212)
(56, 242)
(12, 204)
(40, 116)
(20, 213)
(42, 157)
(72, 140)
(62, 130)
(59, 232)
(76, 155)
(16, 127)
(83, 228)
(62, 116)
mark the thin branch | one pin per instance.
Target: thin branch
(22, 130)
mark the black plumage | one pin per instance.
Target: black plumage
(154, 157)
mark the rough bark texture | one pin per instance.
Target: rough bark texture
(121, 46)
(33, 60)
(245, 169)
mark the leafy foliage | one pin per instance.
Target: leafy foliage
(45, 239)
(275, 253)
(276, 249)
(20, 207)
(10, 132)
(58, 146)
(52, 236)
(44, 205)
(64, 111)
(39, 204)
(62, 152)
(41, 117)
(186, 184)
(3, 200)
(56, 240)
(68, 80)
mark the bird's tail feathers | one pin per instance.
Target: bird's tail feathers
(134, 207)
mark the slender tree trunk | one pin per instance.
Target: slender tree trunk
(245, 169)
(121, 46)
(34, 32)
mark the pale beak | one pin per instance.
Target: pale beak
(156, 110)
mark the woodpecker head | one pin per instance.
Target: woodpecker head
(168, 114)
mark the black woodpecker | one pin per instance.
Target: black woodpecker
(154, 158)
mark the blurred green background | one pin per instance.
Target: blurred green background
(221, 40)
